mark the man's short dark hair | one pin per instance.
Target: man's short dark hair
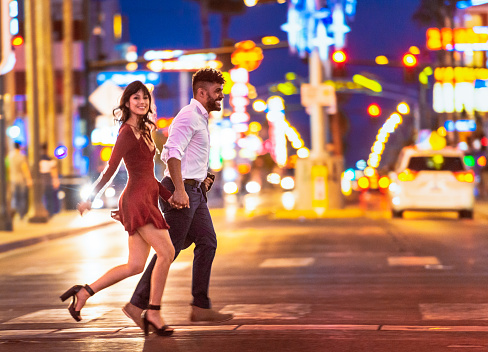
(206, 75)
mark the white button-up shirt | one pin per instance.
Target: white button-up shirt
(189, 141)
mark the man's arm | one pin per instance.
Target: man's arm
(180, 198)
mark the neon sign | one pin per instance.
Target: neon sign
(458, 39)
(311, 26)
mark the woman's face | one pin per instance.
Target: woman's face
(138, 103)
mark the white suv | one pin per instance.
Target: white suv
(431, 180)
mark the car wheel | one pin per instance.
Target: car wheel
(466, 214)
(397, 213)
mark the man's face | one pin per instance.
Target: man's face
(214, 95)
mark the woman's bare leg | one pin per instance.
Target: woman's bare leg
(138, 253)
(161, 242)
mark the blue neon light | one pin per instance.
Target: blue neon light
(124, 78)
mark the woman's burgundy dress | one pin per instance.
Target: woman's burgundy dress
(138, 203)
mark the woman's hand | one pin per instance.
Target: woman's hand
(84, 206)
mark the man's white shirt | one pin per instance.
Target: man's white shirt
(189, 141)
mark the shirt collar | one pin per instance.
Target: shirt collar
(200, 107)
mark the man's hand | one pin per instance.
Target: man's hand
(207, 183)
(180, 199)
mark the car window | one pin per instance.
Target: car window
(435, 163)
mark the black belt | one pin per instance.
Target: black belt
(192, 182)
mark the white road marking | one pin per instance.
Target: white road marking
(58, 316)
(287, 262)
(412, 261)
(268, 311)
(454, 311)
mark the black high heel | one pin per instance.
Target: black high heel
(164, 331)
(72, 293)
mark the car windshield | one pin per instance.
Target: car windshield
(435, 163)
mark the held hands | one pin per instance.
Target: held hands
(83, 206)
(179, 200)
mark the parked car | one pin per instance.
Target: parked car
(431, 180)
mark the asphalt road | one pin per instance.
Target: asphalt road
(359, 284)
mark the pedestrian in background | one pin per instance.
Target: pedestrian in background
(20, 180)
(48, 170)
(186, 154)
(138, 208)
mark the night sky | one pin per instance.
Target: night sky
(380, 27)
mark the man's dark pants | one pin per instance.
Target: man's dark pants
(187, 226)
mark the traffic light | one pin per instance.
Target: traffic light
(410, 63)
(339, 59)
(374, 110)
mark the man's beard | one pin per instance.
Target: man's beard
(212, 105)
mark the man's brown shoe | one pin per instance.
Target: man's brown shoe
(133, 313)
(208, 315)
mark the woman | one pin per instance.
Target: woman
(138, 208)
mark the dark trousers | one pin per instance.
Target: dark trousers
(187, 226)
(20, 199)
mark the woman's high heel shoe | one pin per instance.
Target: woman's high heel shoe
(72, 293)
(164, 331)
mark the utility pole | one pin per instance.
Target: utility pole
(67, 164)
(37, 212)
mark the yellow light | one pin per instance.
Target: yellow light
(270, 40)
(482, 161)
(255, 127)
(117, 26)
(131, 66)
(363, 182)
(17, 41)
(381, 60)
(384, 182)
(414, 50)
(155, 65)
(259, 105)
(367, 83)
(403, 108)
(290, 76)
(244, 168)
(250, 3)
(105, 153)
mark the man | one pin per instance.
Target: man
(186, 154)
(20, 179)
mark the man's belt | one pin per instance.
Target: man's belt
(192, 182)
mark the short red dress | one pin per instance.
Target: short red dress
(138, 203)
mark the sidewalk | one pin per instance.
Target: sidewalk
(71, 223)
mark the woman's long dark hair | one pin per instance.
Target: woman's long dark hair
(144, 124)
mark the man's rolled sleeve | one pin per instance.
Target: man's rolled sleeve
(180, 134)
(169, 152)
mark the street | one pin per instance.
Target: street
(356, 284)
